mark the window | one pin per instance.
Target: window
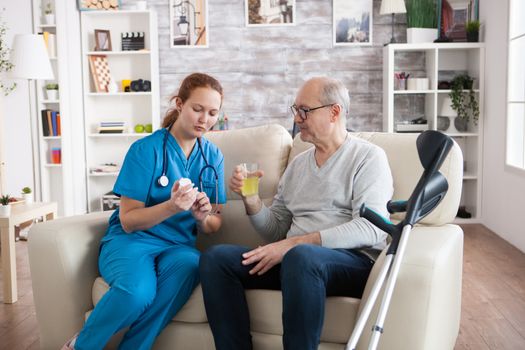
(516, 86)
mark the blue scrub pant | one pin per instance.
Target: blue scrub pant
(150, 280)
(306, 276)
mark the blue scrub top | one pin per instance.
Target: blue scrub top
(138, 180)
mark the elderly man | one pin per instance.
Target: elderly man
(320, 245)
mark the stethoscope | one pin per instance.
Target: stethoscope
(163, 180)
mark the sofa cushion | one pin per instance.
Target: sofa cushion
(406, 169)
(192, 312)
(265, 311)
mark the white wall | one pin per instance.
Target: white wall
(503, 189)
(16, 140)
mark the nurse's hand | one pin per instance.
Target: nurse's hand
(182, 198)
(201, 208)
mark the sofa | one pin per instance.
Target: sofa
(425, 307)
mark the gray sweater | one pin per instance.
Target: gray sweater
(327, 199)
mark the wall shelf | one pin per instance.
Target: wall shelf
(441, 61)
(131, 108)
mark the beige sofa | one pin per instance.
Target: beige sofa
(425, 309)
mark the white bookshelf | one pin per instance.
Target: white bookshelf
(441, 60)
(55, 180)
(129, 107)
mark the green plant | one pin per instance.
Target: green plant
(26, 190)
(465, 105)
(51, 86)
(421, 13)
(472, 26)
(5, 64)
(4, 200)
(48, 10)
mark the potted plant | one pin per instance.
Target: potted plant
(472, 29)
(48, 13)
(27, 194)
(421, 21)
(52, 91)
(5, 208)
(464, 102)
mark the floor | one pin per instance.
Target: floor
(493, 309)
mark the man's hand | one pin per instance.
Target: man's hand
(268, 256)
(272, 254)
(237, 179)
(201, 208)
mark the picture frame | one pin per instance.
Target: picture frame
(188, 23)
(453, 18)
(98, 5)
(269, 12)
(102, 40)
(100, 72)
(352, 22)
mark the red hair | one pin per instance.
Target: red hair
(188, 85)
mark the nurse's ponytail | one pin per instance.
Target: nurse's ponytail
(190, 83)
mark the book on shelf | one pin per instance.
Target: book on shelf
(51, 125)
(111, 127)
(402, 127)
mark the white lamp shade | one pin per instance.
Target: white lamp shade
(30, 58)
(392, 6)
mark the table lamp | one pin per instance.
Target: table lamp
(392, 7)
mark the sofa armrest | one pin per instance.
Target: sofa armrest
(425, 308)
(63, 258)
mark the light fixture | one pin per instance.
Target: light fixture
(392, 7)
(183, 23)
(31, 62)
(285, 10)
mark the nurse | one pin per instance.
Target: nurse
(148, 255)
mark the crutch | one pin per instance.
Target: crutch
(433, 147)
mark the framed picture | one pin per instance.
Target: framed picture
(98, 5)
(102, 40)
(352, 21)
(100, 72)
(454, 16)
(269, 12)
(188, 23)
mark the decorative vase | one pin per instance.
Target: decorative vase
(443, 123)
(49, 19)
(461, 124)
(52, 94)
(473, 37)
(421, 35)
(28, 197)
(5, 210)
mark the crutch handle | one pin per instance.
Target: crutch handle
(396, 206)
(376, 219)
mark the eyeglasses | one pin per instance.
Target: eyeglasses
(302, 112)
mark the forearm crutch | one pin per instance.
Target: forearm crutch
(433, 147)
